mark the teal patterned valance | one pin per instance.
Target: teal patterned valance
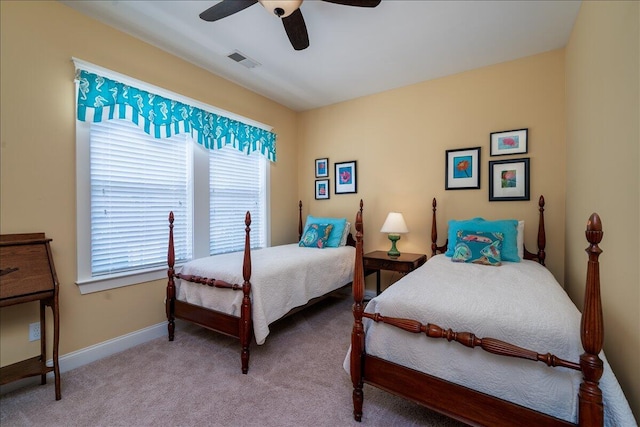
(100, 98)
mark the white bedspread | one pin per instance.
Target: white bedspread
(520, 303)
(283, 277)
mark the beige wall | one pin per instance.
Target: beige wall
(399, 139)
(38, 158)
(603, 153)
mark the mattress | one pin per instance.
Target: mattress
(283, 277)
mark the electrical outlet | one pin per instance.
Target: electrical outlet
(34, 331)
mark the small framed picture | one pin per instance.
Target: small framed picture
(346, 179)
(508, 142)
(462, 169)
(322, 168)
(509, 180)
(322, 189)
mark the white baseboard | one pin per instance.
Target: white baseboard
(93, 353)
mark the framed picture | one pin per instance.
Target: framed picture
(508, 142)
(322, 189)
(346, 179)
(462, 169)
(322, 168)
(509, 180)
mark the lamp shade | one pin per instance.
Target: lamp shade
(394, 224)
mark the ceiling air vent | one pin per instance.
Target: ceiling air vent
(242, 59)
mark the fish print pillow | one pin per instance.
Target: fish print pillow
(316, 236)
(478, 247)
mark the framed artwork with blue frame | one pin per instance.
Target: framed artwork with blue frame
(462, 169)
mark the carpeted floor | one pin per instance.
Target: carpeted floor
(295, 379)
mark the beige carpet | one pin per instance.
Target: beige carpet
(295, 379)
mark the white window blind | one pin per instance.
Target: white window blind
(237, 184)
(136, 180)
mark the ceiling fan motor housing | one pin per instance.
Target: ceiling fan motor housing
(281, 8)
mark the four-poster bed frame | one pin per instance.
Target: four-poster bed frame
(462, 403)
(240, 327)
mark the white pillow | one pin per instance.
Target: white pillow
(520, 239)
(345, 233)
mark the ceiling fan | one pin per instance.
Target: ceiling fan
(287, 10)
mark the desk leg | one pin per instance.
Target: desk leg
(56, 343)
(43, 340)
(377, 282)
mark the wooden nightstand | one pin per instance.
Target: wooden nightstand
(379, 260)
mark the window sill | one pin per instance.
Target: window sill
(106, 283)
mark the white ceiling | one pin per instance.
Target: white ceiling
(353, 51)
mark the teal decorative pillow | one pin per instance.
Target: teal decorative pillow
(336, 232)
(478, 247)
(316, 236)
(508, 228)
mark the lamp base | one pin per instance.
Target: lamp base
(394, 252)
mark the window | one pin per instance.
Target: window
(129, 181)
(134, 181)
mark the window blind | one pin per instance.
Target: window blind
(136, 180)
(236, 185)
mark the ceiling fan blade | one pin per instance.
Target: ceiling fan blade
(359, 3)
(225, 8)
(296, 30)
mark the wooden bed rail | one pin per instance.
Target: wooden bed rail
(217, 283)
(590, 406)
(468, 339)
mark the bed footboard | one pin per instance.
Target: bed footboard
(239, 327)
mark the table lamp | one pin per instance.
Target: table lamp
(394, 225)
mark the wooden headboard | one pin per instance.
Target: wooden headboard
(538, 256)
(350, 240)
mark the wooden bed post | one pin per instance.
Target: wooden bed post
(246, 330)
(357, 334)
(434, 229)
(299, 220)
(592, 332)
(435, 249)
(542, 240)
(171, 286)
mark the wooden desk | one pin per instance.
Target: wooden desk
(27, 274)
(379, 260)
